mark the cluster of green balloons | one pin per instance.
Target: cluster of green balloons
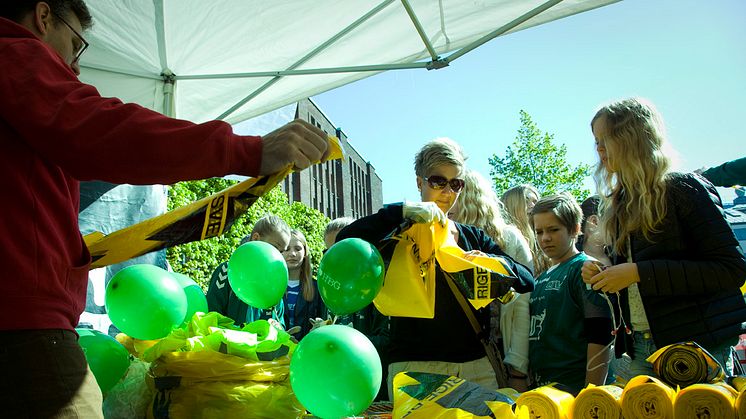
(258, 274)
(147, 302)
(106, 357)
(335, 372)
(350, 276)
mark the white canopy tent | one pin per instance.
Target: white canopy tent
(235, 59)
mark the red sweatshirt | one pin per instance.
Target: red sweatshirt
(56, 131)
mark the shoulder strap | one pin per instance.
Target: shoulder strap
(501, 373)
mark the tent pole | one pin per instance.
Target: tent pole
(505, 28)
(308, 56)
(169, 84)
(351, 69)
(420, 29)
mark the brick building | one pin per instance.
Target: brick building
(349, 188)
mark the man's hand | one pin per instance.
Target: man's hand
(298, 143)
(424, 212)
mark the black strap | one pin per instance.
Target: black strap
(501, 373)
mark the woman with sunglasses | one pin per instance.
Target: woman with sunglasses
(447, 343)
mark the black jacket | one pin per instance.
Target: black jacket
(448, 336)
(690, 272)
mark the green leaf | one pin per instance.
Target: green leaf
(534, 158)
(198, 259)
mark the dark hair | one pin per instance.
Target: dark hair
(589, 207)
(16, 10)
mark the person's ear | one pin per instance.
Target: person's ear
(593, 219)
(43, 18)
(575, 231)
(419, 183)
(256, 236)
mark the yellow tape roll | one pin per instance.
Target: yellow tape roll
(547, 403)
(706, 401)
(739, 383)
(602, 402)
(647, 397)
(684, 364)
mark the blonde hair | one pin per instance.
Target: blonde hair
(337, 224)
(306, 280)
(271, 224)
(438, 152)
(633, 194)
(514, 200)
(478, 206)
(268, 225)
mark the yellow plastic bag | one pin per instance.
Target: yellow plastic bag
(409, 286)
(740, 384)
(213, 369)
(437, 396)
(684, 364)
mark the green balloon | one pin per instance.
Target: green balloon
(335, 372)
(108, 359)
(258, 274)
(196, 300)
(145, 302)
(350, 276)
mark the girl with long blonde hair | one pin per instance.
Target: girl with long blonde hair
(676, 267)
(518, 202)
(302, 299)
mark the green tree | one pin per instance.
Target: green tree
(534, 158)
(199, 259)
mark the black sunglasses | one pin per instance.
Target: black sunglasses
(84, 44)
(439, 182)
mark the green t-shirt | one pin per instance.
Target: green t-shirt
(559, 305)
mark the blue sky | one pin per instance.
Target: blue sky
(687, 56)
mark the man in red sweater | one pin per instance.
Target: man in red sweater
(54, 132)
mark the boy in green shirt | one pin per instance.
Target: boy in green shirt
(570, 329)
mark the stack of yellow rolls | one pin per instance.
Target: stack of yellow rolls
(602, 402)
(706, 401)
(647, 397)
(547, 402)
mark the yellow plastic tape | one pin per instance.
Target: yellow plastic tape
(547, 402)
(647, 397)
(598, 402)
(209, 217)
(706, 401)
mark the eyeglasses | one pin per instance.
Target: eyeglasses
(84, 44)
(439, 182)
